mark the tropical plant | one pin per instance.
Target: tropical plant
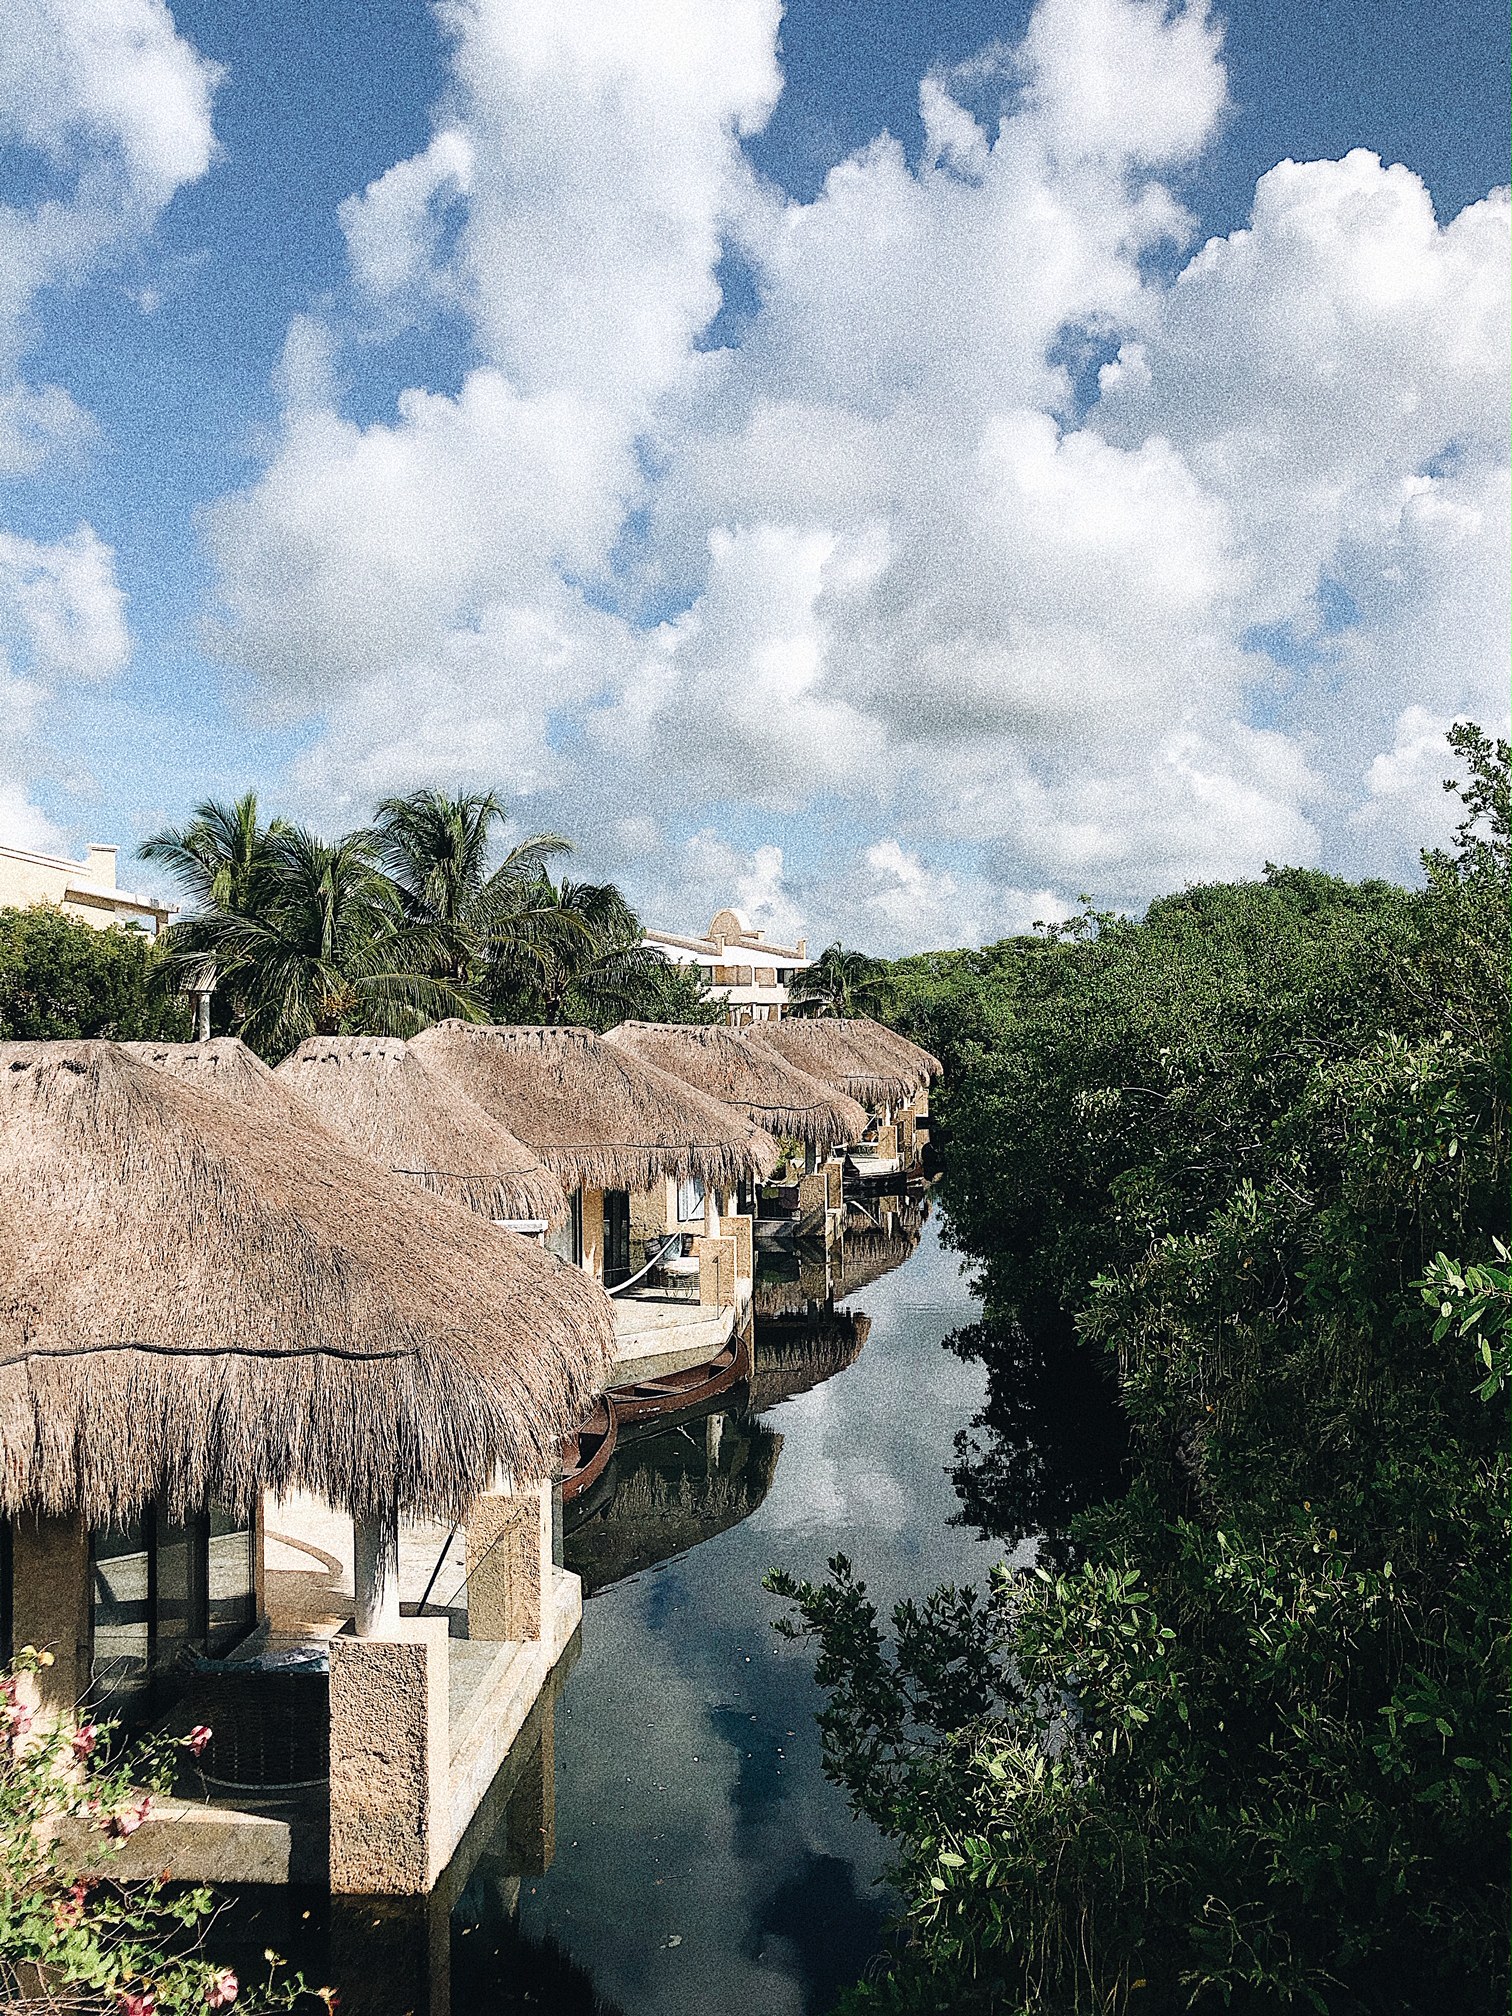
(438, 852)
(91, 1944)
(840, 982)
(60, 977)
(325, 948)
(1244, 1745)
(574, 952)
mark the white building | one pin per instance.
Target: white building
(85, 889)
(738, 965)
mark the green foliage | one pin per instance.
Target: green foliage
(60, 977)
(91, 1944)
(1247, 1748)
(840, 982)
(393, 927)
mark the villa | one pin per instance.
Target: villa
(214, 1317)
(658, 1177)
(737, 964)
(875, 1066)
(85, 889)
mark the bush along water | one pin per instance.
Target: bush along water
(70, 1797)
(1243, 1745)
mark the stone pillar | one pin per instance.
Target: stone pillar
(509, 1564)
(390, 1760)
(739, 1228)
(716, 1271)
(375, 1573)
(50, 1607)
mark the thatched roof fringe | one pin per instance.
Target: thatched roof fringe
(772, 1093)
(597, 1116)
(870, 1064)
(377, 1094)
(198, 1304)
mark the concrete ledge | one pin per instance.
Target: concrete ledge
(198, 1844)
(497, 1709)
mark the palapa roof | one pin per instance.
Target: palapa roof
(770, 1092)
(198, 1304)
(225, 1065)
(859, 1057)
(378, 1095)
(595, 1114)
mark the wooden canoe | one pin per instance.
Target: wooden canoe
(585, 1456)
(689, 1387)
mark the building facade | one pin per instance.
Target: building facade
(85, 889)
(738, 965)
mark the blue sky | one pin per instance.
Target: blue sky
(914, 706)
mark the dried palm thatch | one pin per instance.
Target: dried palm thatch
(859, 1057)
(377, 1095)
(596, 1115)
(225, 1065)
(196, 1304)
(770, 1092)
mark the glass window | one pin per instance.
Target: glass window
(690, 1199)
(230, 1583)
(121, 1604)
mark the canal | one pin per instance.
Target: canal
(701, 1859)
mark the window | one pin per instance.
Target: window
(616, 1237)
(161, 1589)
(690, 1199)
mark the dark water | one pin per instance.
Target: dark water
(702, 1862)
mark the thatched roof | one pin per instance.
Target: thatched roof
(197, 1304)
(859, 1057)
(225, 1065)
(770, 1092)
(596, 1115)
(376, 1094)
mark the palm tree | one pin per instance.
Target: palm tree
(219, 859)
(436, 850)
(326, 948)
(217, 856)
(574, 952)
(841, 982)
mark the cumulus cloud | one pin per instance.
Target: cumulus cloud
(111, 107)
(888, 582)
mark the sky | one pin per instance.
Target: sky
(895, 467)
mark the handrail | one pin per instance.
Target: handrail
(620, 1286)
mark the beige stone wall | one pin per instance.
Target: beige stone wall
(593, 1233)
(50, 1588)
(509, 1563)
(716, 1270)
(84, 889)
(652, 1212)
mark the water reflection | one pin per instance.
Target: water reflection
(1050, 1440)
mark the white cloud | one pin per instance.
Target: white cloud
(881, 569)
(117, 106)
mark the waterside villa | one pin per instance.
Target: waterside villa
(874, 1066)
(656, 1173)
(210, 1311)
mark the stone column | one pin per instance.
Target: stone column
(390, 1760)
(375, 1573)
(509, 1564)
(50, 1607)
(716, 1271)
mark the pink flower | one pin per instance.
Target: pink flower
(68, 1910)
(138, 2002)
(128, 1819)
(83, 1740)
(223, 1990)
(197, 1738)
